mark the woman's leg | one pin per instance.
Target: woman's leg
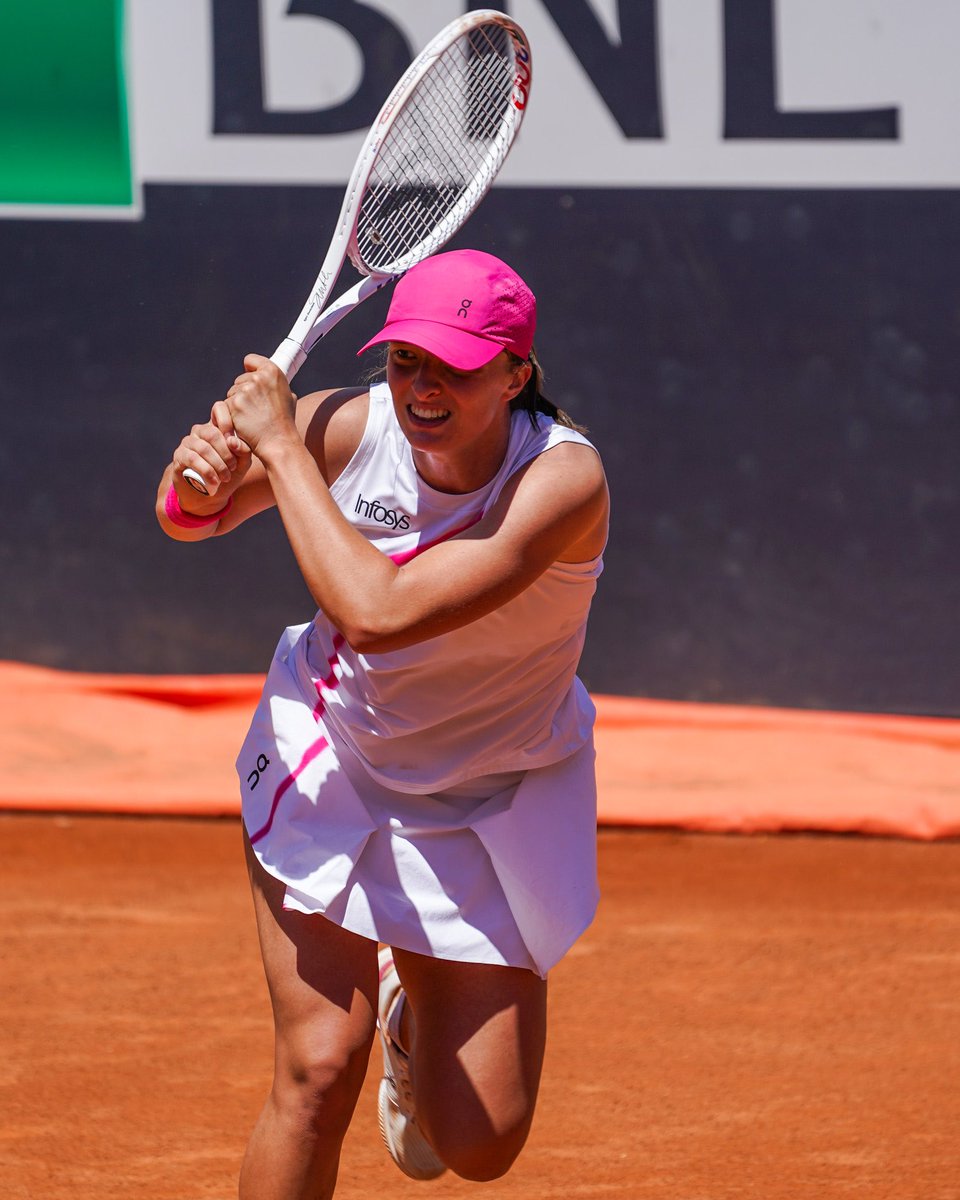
(323, 988)
(475, 1034)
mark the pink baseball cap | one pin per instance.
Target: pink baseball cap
(464, 306)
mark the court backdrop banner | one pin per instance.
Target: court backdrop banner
(657, 93)
(64, 130)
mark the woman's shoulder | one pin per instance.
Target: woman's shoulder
(558, 433)
(332, 423)
(532, 439)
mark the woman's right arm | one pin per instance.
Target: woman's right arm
(331, 423)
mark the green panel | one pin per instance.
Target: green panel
(64, 135)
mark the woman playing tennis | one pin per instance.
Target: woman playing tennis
(419, 772)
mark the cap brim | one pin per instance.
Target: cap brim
(461, 350)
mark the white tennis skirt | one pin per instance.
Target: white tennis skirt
(500, 869)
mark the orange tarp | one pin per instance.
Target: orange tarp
(166, 744)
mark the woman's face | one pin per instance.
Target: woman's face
(442, 411)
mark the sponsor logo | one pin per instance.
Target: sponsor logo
(755, 98)
(464, 309)
(376, 510)
(521, 84)
(254, 777)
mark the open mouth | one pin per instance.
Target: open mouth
(424, 415)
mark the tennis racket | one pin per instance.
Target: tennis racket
(430, 157)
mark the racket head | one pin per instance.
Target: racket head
(438, 142)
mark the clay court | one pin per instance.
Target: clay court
(766, 1015)
(767, 1004)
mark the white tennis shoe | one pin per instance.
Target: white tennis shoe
(408, 1148)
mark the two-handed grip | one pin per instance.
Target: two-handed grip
(290, 355)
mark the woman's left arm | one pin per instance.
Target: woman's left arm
(554, 508)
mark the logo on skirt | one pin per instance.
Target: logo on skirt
(254, 777)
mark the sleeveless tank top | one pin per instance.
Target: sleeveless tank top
(498, 694)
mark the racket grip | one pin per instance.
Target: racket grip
(195, 481)
(289, 357)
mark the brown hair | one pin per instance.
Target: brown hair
(532, 400)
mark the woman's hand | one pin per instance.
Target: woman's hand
(214, 450)
(261, 406)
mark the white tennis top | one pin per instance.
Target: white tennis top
(440, 798)
(498, 694)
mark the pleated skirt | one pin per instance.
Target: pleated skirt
(499, 869)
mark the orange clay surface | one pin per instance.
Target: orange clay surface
(750, 1016)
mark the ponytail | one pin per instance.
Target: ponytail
(532, 400)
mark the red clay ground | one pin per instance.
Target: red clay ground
(772, 1017)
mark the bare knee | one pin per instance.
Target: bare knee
(479, 1155)
(317, 1090)
(481, 1162)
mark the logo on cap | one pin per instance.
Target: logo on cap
(464, 306)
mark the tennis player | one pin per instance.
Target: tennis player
(419, 773)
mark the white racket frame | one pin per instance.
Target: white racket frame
(315, 320)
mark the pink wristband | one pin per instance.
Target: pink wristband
(171, 506)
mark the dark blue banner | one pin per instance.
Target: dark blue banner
(771, 378)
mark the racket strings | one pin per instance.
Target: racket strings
(442, 151)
